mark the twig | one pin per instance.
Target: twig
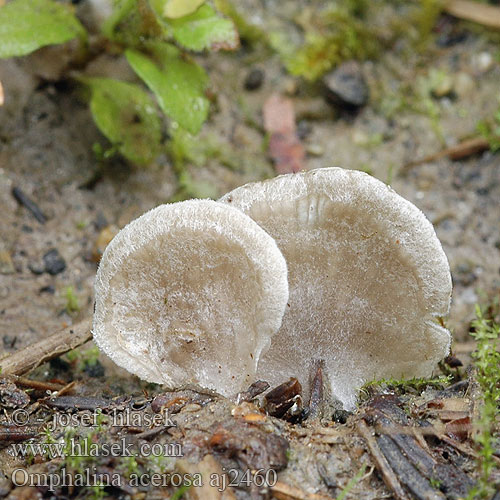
(23, 200)
(388, 475)
(285, 492)
(44, 350)
(461, 150)
(35, 384)
(487, 15)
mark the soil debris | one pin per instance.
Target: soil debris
(29, 204)
(285, 401)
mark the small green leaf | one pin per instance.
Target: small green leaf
(27, 25)
(126, 115)
(179, 85)
(174, 9)
(205, 29)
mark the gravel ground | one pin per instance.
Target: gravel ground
(46, 138)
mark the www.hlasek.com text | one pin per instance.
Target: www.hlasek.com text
(85, 448)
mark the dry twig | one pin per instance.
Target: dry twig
(44, 350)
(462, 150)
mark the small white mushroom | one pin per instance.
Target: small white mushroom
(190, 293)
(368, 279)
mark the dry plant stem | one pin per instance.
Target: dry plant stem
(388, 475)
(283, 491)
(44, 350)
(487, 15)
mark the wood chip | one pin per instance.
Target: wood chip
(2, 97)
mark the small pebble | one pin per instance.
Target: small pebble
(346, 86)
(36, 267)
(483, 62)
(6, 265)
(54, 263)
(9, 341)
(315, 149)
(254, 79)
(443, 88)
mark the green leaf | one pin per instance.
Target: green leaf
(126, 115)
(27, 25)
(174, 9)
(179, 85)
(205, 29)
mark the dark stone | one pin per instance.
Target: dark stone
(54, 263)
(345, 86)
(94, 370)
(9, 341)
(340, 416)
(47, 289)
(254, 79)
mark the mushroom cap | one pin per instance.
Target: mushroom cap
(190, 293)
(368, 279)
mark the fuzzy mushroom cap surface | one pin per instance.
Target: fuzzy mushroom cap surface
(368, 279)
(190, 293)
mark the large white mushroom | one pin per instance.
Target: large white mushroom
(190, 293)
(368, 279)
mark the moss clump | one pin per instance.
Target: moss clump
(487, 363)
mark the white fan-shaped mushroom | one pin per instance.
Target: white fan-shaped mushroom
(367, 275)
(190, 293)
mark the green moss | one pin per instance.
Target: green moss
(490, 130)
(415, 384)
(72, 305)
(487, 363)
(331, 36)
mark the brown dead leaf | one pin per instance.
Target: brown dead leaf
(285, 148)
(2, 97)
